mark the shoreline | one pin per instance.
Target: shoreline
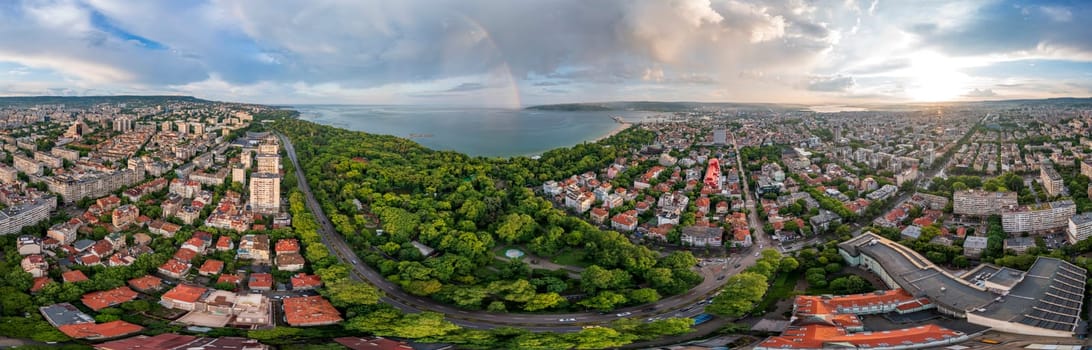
(615, 131)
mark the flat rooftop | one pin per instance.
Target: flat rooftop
(1048, 296)
(919, 276)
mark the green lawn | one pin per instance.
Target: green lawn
(573, 257)
(780, 289)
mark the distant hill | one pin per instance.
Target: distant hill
(659, 106)
(80, 101)
(655, 106)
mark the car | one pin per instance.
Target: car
(757, 254)
(567, 320)
(737, 265)
(720, 278)
(624, 314)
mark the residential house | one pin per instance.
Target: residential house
(29, 245)
(309, 311)
(303, 281)
(73, 276)
(741, 237)
(211, 267)
(146, 284)
(290, 261)
(255, 248)
(260, 281)
(103, 299)
(703, 236)
(175, 268)
(183, 296)
(35, 265)
(973, 246)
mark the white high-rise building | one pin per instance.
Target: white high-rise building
(265, 193)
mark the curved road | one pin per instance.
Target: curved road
(683, 305)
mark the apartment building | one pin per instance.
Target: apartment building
(265, 193)
(1037, 218)
(982, 203)
(1052, 181)
(1080, 228)
(74, 186)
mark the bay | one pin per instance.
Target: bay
(474, 131)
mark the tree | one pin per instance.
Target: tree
(266, 335)
(604, 301)
(665, 327)
(543, 301)
(599, 338)
(789, 263)
(421, 325)
(960, 261)
(679, 259)
(644, 296)
(739, 295)
(346, 292)
(850, 285)
(469, 297)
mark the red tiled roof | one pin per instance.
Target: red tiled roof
(175, 266)
(302, 280)
(224, 242)
(820, 323)
(309, 311)
(196, 242)
(39, 283)
(73, 276)
(185, 293)
(212, 267)
(260, 280)
(229, 278)
(107, 298)
(143, 342)
(287, 245)
(146, 283)
(99, 331)
(816, 336)
(185, 254)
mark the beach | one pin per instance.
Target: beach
(615, 131)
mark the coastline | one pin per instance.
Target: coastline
(618, 129)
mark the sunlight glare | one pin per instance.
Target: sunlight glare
(934, 79)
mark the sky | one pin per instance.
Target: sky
(502, 53)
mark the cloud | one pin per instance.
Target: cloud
(466, 87)
(1006, 27)
(831, 84)
(444, 50)
(980, 93)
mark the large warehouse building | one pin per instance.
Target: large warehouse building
(1046, 300)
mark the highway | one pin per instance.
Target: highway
(685, 304)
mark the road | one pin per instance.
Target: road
(761, 239)
(395, 296)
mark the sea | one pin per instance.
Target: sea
(475, 131)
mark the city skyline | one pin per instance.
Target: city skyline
(499, 54)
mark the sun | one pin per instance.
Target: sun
(933, 78)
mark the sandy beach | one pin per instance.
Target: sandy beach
(622, 126)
